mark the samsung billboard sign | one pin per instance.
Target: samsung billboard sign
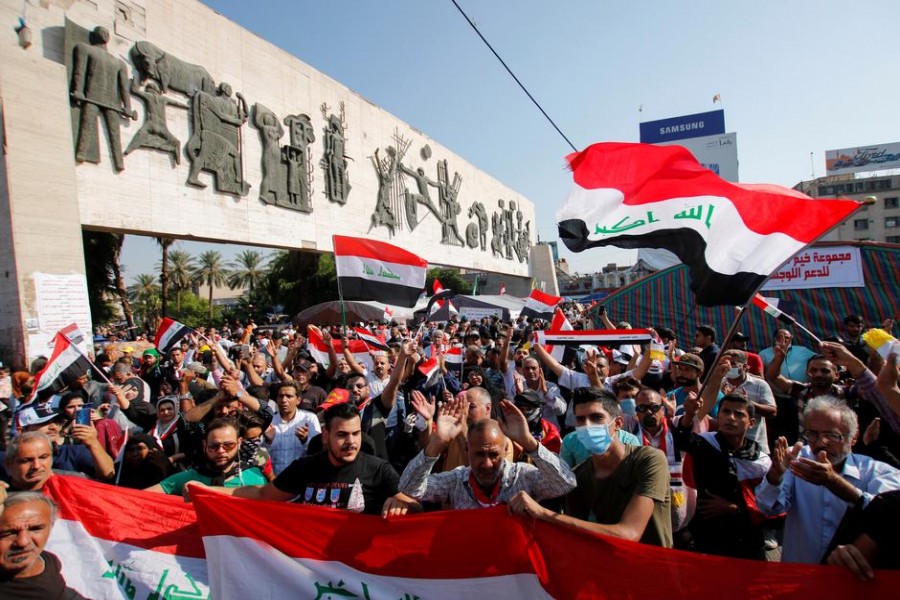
(681, 128)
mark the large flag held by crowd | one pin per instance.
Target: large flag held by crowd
(730, 236)
(371, 270)
(318, 349)
(229, 548)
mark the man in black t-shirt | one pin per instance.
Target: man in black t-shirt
(339, 476)
(26, 570)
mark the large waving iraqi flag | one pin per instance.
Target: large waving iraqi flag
(370, 270)
(121, 543)
(116, 543)
(731, 236)
(169, 333)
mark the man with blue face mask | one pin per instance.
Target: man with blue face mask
(623, 491)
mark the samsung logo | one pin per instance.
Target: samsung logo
(681, 128)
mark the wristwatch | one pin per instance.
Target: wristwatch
(239, 394)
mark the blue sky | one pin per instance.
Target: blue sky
(795, 78)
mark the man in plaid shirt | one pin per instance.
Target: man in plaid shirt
(489, 479)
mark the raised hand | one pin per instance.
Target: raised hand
(515, 426)
(782, 459)
(422, 405)
(872, 432)
(451, 422)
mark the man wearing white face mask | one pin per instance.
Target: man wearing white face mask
(731, 376)
(623, 491)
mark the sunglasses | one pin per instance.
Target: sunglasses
(650, 408)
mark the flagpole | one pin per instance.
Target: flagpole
(93, 366)
(340, 291)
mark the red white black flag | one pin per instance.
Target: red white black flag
(370, 270)
(731, 236)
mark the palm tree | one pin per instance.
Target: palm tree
(181, 273)
(119, 282)
(164, 243)
(248, 270)
(144, 292)
(211, 271)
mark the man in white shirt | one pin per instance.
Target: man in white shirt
(289, 434)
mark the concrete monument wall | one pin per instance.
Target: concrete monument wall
(221, 137)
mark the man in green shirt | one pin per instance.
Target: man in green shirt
(622, 491)
(222, 466)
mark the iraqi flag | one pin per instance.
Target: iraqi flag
(453, 359)
(169, 334)
(229, 548)
(772, 310)
(370, 270)
(65, 365)
(612, 338)
(559, 324)
(731, 236)
(484, 553)
(372, 341)
(121, 543)
(431, 371)
(540, 305)
(319, 349)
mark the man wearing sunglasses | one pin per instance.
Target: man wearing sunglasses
(817, 480)
(655, 430)
(222, 465)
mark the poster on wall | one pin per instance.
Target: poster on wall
(60, 300)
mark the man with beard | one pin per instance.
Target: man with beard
(655, 430)
(222, 466)
(533, 380)
(686, 372)
(339, 476)
(817, 483)
(624, 490)
(288, 435)
(822, 372)
(489, 479)
(26, 570)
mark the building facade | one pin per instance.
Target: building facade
(876, 222)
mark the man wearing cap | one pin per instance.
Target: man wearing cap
(531, 403)
(311, 396)
(288, 435)
(489, 479)
(88, 456)
(151, 371)
(754, 362)
(686, 372)
(623, 490)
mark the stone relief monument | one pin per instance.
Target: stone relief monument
(337, 183)
(215, 144)
(300, 168)
(154, 133)
(99, 88)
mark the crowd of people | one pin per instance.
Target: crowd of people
(788, 447)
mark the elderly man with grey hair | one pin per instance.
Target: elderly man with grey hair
(26, 569)
(817, 483)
